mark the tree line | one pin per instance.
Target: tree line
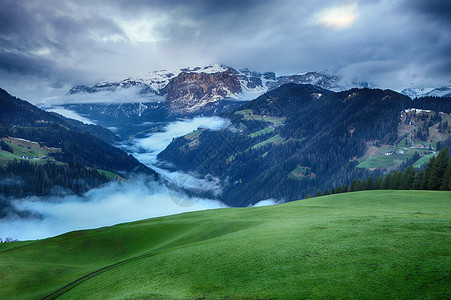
(435, 175)
(5, 147)
(22, 178)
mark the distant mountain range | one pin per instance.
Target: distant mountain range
(129, 119)
(444, 91)
(189, 90)
(164, 95)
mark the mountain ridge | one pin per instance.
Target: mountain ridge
(444, 91)
(243, 84)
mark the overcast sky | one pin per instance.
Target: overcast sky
(48, 46)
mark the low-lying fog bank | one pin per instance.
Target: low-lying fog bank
(114, 203)
(119, 202)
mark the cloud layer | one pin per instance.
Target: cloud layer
(120, 202)
(55, 44)
(112, 204)
(70, 114)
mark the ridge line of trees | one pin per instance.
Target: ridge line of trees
(436, 175)
(21, 178)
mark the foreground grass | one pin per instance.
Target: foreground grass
(377, 244)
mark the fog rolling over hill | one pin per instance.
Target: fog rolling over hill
(137, 120)
(138, 197)
(117, 202)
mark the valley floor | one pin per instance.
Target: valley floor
(374, 244)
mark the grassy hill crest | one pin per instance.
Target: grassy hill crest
(376, 244)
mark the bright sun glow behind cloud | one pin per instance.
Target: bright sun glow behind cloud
(141, 30)
(341, 16)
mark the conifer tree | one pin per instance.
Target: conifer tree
(437, 170)
(378, 183)
(408, 179)
(370, 183)
(446, 182)
(418, 183)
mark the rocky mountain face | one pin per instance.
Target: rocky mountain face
(190, 89)
(150, 84)
(112, 86)
(253, 82)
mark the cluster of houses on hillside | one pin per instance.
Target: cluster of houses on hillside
(421, 146)
(44, 122)
(26, 157)
(400, 151)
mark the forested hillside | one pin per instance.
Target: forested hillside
(297, 139)
(40, 151)
(22, 178)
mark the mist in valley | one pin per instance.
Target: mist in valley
(118, 202)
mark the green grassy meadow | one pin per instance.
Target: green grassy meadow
(277, 139)
(37, 155)
(370, 245)
(248, 114)
(301, 172)
(21, 148)
(395, 160)
(110, 175)
(262, 132)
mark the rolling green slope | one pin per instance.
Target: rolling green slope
(378, 244)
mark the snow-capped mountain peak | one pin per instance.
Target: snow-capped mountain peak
(191, 88)
(444, 91)
(209, 69)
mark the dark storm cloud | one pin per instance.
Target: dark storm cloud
(436, 9)
(430, 37)
(239, 33)
(11, 62)
(392, 43)
(41, 39)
